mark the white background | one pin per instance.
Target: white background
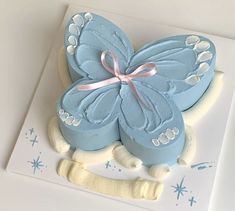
(27, 32)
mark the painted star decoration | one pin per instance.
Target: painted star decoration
(180, 189)
(32, 136)
(36, 164)
(192, 201)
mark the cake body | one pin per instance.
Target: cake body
(93, 119)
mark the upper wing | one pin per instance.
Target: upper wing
(88, 119)
(86, 36)
(185, 66)
(154, 135)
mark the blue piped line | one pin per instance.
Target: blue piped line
(198, 164)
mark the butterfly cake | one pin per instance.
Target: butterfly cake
(127, 104)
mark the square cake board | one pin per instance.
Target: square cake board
(34, 157)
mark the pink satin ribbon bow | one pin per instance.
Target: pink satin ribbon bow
(144, 70)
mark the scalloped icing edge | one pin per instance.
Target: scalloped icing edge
(133, 189)
(204, 104)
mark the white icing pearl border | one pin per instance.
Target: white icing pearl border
(166, 137)
(78, 22)
(68, 119)
(201, 49)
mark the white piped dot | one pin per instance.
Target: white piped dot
(204, 56)
(88, 16)
(203, 68)
(156, 142)
(61, 111)
(166, 137)
(76, 122)
(69, 120)
(71, 49)
(73, 29)
(202, 46)
(64, 116)
(192, 40)
(78, 20)
(170, 134)
(72, 40)
(175, 130)
(163, 138)
(192, 80)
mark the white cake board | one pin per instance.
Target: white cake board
(197, 180)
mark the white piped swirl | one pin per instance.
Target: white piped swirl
(201, 49)
(165, 137)
(78, 22)
(68, 119)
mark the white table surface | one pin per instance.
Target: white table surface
(27, 31)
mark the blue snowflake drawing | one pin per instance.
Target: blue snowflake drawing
(202, 165)
(192, 201)
(32, 136)
(180, 189)
(37, 164)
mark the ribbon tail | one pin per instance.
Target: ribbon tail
(96, 85)
(138, 96)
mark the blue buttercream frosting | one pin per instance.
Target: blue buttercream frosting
(93, 119)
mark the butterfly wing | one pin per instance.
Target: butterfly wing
(88, 119)
(185, 66)
(86, 36)
(155, 135)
